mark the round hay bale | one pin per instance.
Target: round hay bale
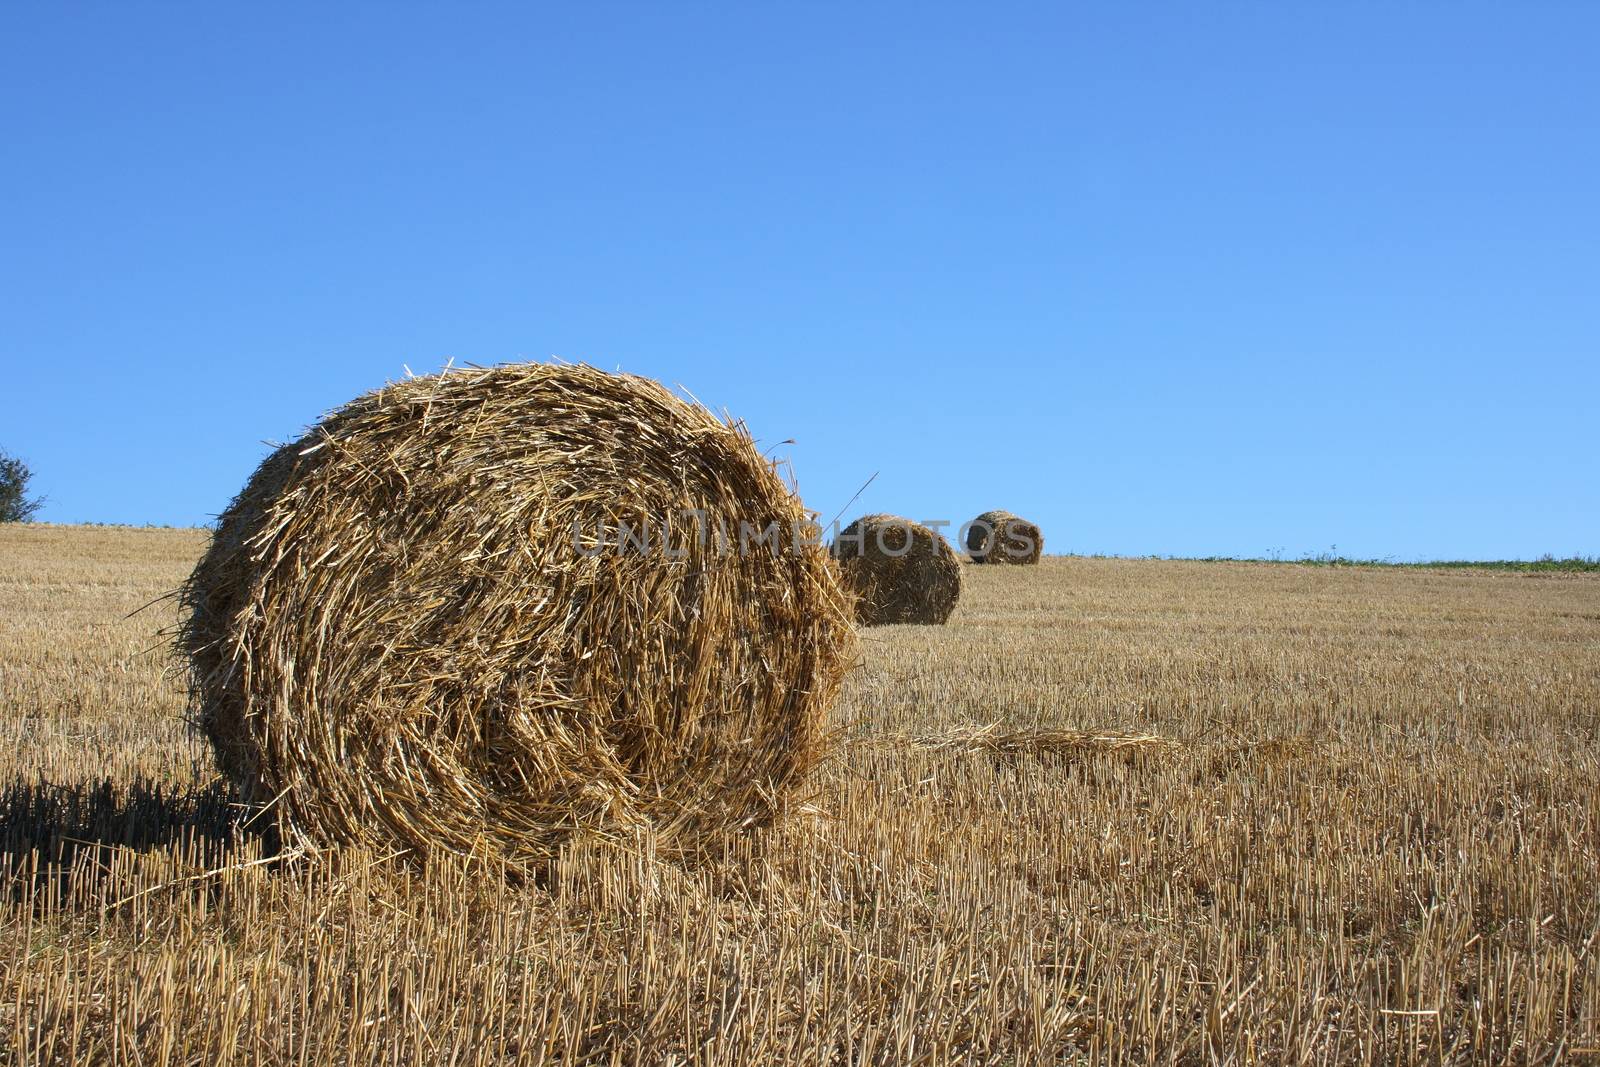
(404, 634)
(1001, 537)
(899, 570)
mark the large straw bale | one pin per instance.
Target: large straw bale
(1001, 537)
(405, 634)
(900, 571)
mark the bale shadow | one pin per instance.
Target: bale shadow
(50, 832)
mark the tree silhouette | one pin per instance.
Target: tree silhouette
(15, 504)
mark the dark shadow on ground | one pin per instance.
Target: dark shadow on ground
(47, 828)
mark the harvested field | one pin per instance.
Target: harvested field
(1113, 812)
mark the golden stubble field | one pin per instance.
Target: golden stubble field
(1374, 837)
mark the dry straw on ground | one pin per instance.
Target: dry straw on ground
(1377, 842)
(1001, 537)
(406, 634)
(900, 571)
(998, 739)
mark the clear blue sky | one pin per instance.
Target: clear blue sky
(1173, 279)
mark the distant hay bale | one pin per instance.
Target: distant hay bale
(1001, 537)
(408, 631)
(899, 570)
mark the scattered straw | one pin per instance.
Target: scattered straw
(1000, 740)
